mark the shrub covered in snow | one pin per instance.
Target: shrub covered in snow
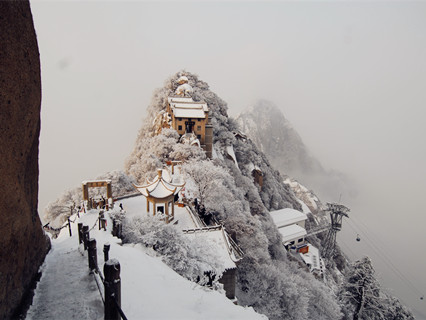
(192, 259)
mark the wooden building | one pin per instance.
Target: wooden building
(189, 117)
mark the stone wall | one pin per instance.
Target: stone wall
(23, 244)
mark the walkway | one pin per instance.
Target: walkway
(66, 289)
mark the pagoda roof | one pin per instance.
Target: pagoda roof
(159, 188)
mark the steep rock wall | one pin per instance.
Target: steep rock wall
(23, 243)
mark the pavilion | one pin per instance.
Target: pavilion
(161, 193)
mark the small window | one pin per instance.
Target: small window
(198, 137)
(199, 128)
(180, 128)
(199, 119)
(300, 240)
(179, 119)
(291, 242)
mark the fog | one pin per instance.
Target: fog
(349, 76)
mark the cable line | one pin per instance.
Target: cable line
(380, 252)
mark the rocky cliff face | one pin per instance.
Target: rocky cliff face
(23, 243)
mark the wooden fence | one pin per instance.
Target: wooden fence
(110, 278)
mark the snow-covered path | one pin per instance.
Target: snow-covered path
(149, 288)
(66, 289)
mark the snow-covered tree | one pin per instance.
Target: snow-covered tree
(363, 299)
(206, 182)
(151, 153)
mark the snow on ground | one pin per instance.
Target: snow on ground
(150, 289)
(66, 290)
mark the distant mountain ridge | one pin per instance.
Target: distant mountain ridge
(272, 133)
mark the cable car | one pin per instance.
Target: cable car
(358, 238)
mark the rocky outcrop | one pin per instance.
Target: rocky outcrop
(23, 243)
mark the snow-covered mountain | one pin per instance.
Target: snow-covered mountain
(228, 190)
(238, 188)
(273, 134)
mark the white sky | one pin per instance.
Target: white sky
(350, 76)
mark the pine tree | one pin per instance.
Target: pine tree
(361, 291)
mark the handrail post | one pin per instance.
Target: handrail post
(112, 289)
(114, 227)
(106, 252)
(92, 254)
(101, 216)
(69, 226)
(85, 235)
(80, 232)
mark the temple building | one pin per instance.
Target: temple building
(190, 118)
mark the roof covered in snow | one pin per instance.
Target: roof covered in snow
(252, 167)
(312, 257)
(189, 113)
(287, 216)
(179, 99)
(185, 107)
(219, 240)
(161, 187)
(292, 232)
(189, 105)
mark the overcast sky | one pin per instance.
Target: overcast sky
(350, 77)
